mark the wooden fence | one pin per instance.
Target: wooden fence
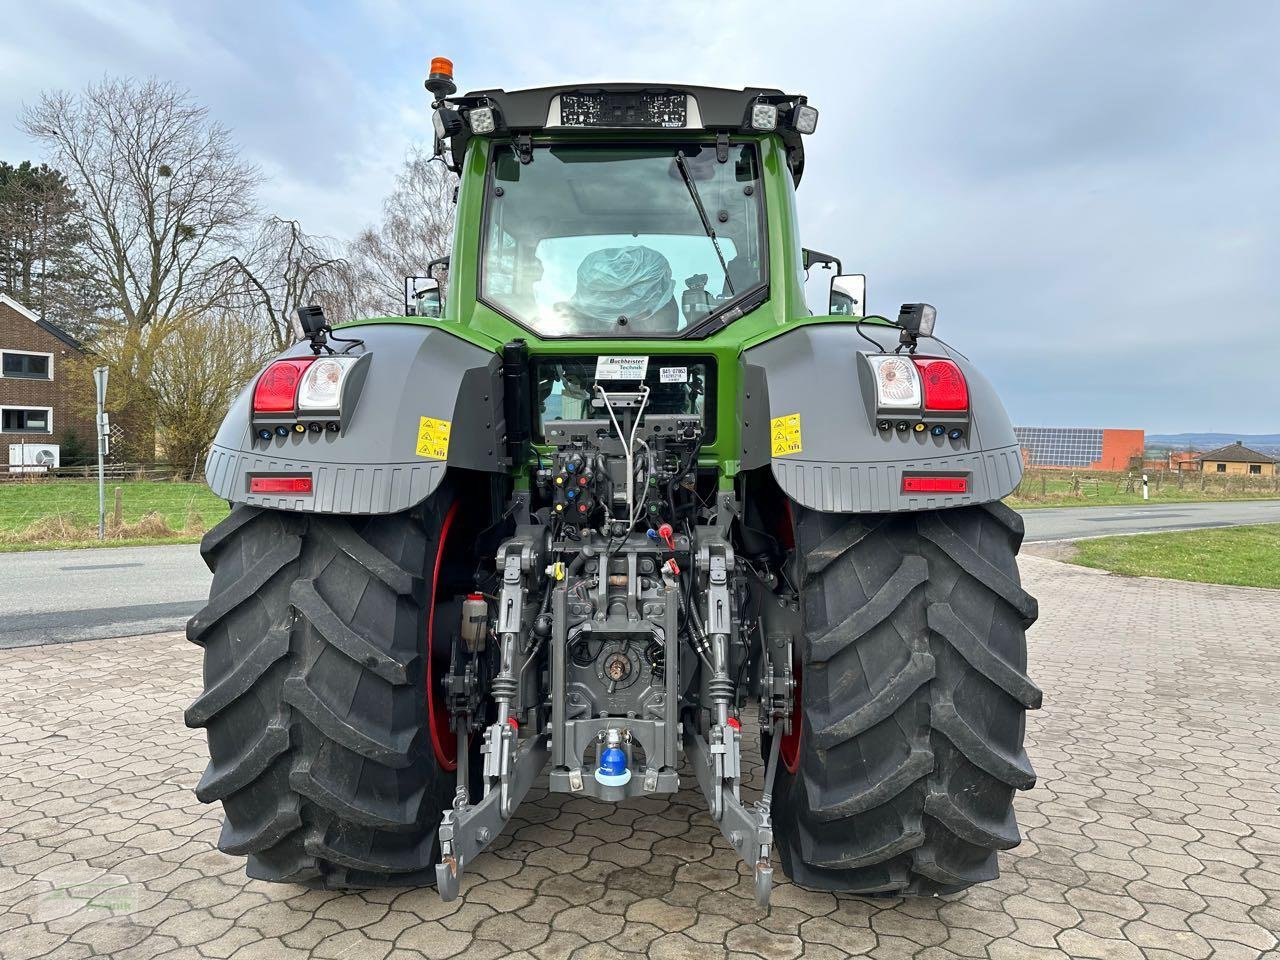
(112, 471)
(1041, 484)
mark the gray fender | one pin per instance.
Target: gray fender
(845, 465)
(372, 466)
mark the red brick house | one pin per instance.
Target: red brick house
(36, 387)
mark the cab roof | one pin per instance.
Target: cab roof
(630, 107)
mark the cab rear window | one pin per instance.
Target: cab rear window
(564, 386)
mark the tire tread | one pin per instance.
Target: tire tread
(915, 687)
(313, 699)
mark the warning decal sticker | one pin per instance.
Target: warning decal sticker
(784, 433)
(433, 438)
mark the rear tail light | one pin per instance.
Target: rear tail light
(277, 388)
(321, 386)
(280, 484)
(897, 383)
(944, 384)
(935, 484)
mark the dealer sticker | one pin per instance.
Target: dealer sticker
(784, 435)
(674, 374)
(621, 368)
(433, 438)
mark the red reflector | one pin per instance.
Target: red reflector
(935, 484)
(279, 484)
(944, 385)
(277, 388)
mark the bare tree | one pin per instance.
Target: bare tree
(416, 228)
(195, 364)
(285, 268)
(162, 190)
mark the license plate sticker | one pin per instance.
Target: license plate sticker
(674, 374)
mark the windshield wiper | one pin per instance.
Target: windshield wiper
(702, 212)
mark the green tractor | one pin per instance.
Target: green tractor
(599, 502)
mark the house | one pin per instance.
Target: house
(37, 414)
(1081, 448)
(1236, 458)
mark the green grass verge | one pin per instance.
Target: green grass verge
(1240, 556)
(52, 514)
(28, 546)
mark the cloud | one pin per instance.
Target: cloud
(1088, 192)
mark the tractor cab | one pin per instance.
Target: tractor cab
(625, 211)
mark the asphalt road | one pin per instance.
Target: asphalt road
(1077, 523)
(58, 596)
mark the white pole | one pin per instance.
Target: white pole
(1145, 496)
(100, 385)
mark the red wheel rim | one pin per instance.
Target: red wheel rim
(790, 748)
(443, 740)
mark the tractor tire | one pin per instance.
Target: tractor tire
(315, 702)
(911, 700)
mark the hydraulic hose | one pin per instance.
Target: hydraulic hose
(694, 637)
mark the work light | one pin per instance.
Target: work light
(917, 319)
(312, 320)
(764, 116)
(805, 119)
(446, 122)
(481, 120)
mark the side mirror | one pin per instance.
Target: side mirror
(848, 295)
(422, 297)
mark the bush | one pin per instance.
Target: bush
(76, 451)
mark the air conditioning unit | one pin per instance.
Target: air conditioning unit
(33, 457)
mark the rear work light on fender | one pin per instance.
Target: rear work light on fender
(277, 388)
(944, 385)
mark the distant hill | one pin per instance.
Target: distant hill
(1268, 443)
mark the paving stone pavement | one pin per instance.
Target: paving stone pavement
(1153, 832)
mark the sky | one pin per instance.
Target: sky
(1088, 192)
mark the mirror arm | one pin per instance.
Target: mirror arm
(810, 257)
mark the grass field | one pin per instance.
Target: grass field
(1065, 488)
(1243, 556)
(47, 514)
